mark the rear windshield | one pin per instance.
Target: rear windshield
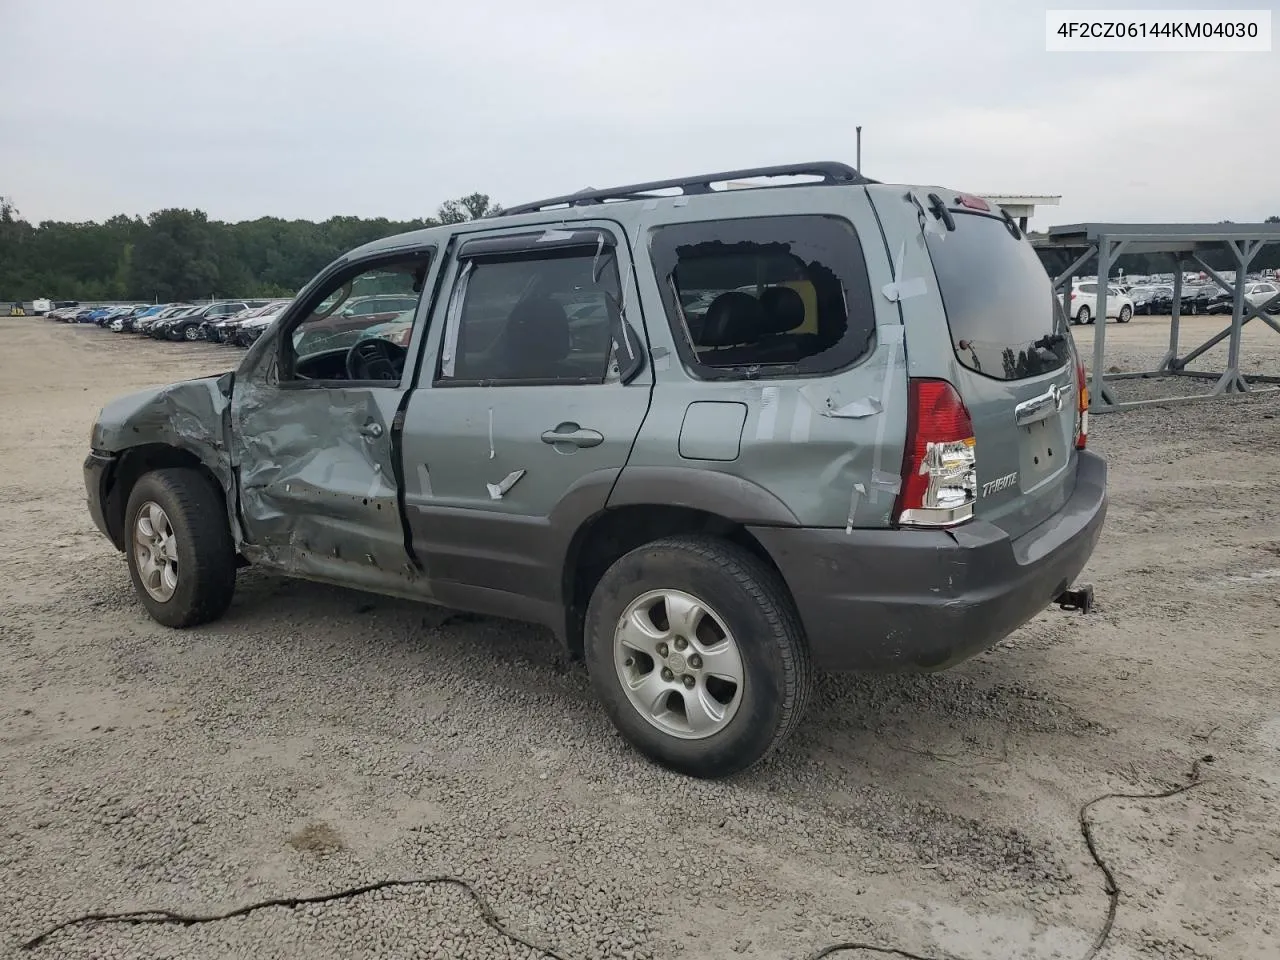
(1005, 321)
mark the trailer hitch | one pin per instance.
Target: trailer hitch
(1079, 598)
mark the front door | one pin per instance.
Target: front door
(312, 423)
(518, 434)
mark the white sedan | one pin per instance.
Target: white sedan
(1260, 292)
(1084, 303)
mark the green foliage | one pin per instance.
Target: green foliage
(177, 254)
(471, 207)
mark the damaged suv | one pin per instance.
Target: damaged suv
(715, 439)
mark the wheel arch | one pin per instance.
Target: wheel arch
(608, 535)
(134, 462)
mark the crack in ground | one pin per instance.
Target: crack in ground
(490, 916)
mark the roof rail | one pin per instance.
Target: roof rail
(832, 172)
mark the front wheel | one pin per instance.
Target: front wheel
(1084, 316)
(1125, 315)
(696, 651)
(191, 333)
(182, 559)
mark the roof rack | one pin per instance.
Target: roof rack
(831, 172)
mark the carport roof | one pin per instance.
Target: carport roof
(1155, 237)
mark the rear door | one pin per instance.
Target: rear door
(520, 427)
(1015, 368)
(1005, 345)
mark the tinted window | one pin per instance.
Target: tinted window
(1005, 321)
(770, 296)
(548, 318)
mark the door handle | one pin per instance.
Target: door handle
(371, 431)
(1041, 407)
(574, 434)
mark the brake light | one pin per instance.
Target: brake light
(973, 203)
(939, 467)
(1082, 406)
(1073, 294)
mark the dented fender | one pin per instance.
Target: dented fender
(190, 415)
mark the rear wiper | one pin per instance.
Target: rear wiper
(1050, 340)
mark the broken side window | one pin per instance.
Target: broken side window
(765, 296)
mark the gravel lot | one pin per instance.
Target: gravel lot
(317, 739)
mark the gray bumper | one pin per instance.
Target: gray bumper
(903, 600)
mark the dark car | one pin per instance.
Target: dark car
(1196, 297)
(1220, 301)
(1160, 301)
(158, 328)
(191, 326)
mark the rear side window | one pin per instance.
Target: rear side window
(765, 296)
(1005, 321)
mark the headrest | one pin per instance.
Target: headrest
(783, 309)
(537, 336)
(733, 318)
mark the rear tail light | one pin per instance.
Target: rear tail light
(939, 468)
(1082, 406)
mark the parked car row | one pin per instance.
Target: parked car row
(1157, 299)
(1200, 298)
(235, 322)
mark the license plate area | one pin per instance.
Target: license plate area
(1044, 452)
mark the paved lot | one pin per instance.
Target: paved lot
(317, 739)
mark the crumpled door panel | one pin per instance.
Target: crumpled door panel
(318, 489)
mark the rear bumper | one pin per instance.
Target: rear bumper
(905, 600)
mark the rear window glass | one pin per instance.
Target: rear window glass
(1005, 321)
(765, 296)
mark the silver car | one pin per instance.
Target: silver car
(715, 441)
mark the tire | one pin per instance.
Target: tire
(1084, 315)
(739, 593)
(1125, 315)
(191, 333)
(204, 555)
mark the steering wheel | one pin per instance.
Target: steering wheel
(375, 359)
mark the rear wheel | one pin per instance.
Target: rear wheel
(695, 649)
(181, 556)
(1083, 315)
(1125, 315)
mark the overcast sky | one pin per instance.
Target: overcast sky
(310, 108)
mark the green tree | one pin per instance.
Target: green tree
(182, 254)
(473, 206)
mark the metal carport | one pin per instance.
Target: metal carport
(1077, 243)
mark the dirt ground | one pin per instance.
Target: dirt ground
(317, 739)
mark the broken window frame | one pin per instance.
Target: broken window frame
(849, 268)
(282, 353)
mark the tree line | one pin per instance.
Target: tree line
(178, 254)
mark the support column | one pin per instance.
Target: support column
(1231, 380)
(1171, 363)
(1099, 393)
